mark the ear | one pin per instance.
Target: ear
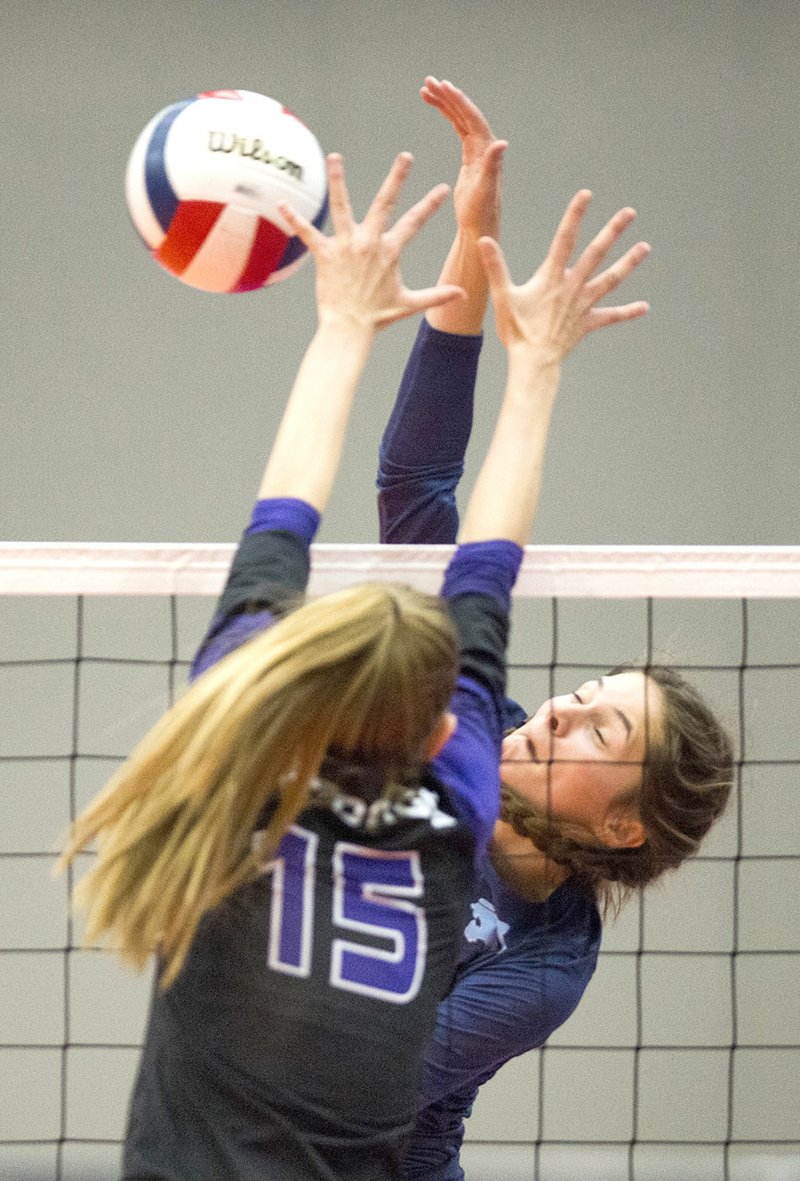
(622, 829)
(442, 732)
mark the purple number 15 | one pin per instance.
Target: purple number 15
(372, 892)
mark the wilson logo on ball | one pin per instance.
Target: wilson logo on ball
(221, 141)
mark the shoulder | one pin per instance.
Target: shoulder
(531, 952)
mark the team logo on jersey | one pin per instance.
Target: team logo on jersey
(486, 927)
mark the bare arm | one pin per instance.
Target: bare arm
(476, 200)
(539, 323)
(359, 291)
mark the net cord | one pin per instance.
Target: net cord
(598, 572)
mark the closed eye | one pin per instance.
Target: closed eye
(598, 733)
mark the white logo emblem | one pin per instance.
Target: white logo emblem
(486, 927)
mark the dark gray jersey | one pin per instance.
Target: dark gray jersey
(290, 1047)
(303, 996)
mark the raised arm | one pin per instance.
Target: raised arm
(476, 201)
(199, 779)
(359, 291)
(539, 323)
(423, 447)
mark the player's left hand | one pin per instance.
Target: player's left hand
(476, 195)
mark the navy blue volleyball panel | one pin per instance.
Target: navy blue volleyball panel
(294, 247)
(160, 193)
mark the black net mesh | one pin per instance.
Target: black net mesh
(683, 1059)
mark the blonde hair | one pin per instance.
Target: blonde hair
(367, 671)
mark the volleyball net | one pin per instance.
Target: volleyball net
(683, 1059)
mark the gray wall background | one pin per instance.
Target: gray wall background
(138, 409)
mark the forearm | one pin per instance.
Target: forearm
(463, 267)
(476, 200)
(307, 450)
(504, 499)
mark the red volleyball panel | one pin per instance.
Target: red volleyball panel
(188, 230)
(266, 252)
(220, 94)
(286, 111)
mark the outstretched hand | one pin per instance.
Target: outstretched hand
(476, 195)
(358, 271)
(557, 307)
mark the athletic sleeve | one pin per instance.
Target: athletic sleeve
(423, 447)
(477, 588)
(268, 576)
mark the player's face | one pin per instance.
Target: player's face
(580, 752)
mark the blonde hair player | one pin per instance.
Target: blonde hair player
(295, 840)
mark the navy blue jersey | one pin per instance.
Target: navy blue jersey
(291, 1044)
(524, 969)
(524, 966)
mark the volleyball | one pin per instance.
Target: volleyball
(203, 184)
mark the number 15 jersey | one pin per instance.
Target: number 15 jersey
(290, 1047)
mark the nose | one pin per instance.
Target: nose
(561, 715)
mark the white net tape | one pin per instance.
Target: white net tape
(564, 571)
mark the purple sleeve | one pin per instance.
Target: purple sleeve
(478, 585)
(470, 762)
(485, 568)
(287, 514)
(423, 446)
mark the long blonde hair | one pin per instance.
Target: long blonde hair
(367, 671)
